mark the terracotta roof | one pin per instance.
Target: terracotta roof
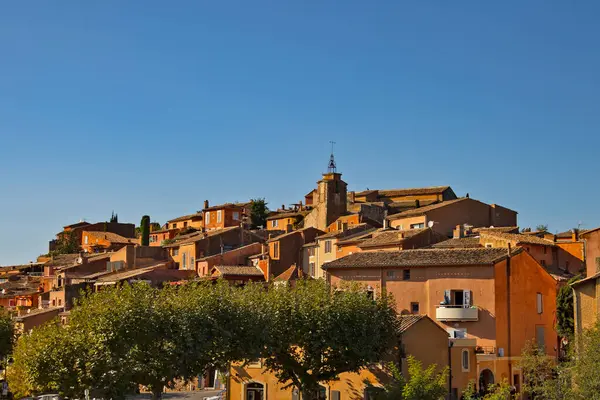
(111, 237)
(501, 229)
(588, 231)
(518, 238)
(390, 237)
(286, 215)
(311, 244)
(37, 311)
(197, 236)
(425, 209)
(467, 242)
(408, 191)
(238, 270)
(360, 228)
(185, 217)
(289, 274)
(154, 272)
(358, 238)
(63, 260)
(406, 321)
(227, 205)
(421, 258)
(77, 225)
(276, 238)
(588, 279)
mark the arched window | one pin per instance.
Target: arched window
(255, 391)
(465, 361)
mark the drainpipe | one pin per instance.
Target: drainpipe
(450, 344)
(508, 347)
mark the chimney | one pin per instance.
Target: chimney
(458, 232)
(300, 205)
(417, 203)
(386, 223)
(205, 204)
(351, 196)
(575, 235)
(283, 206)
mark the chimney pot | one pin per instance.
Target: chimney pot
(205, 203)
(283, 206)
(575, 235)
(458, 232)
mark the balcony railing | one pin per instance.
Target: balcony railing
(456, 313)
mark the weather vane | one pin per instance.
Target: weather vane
(331, 168)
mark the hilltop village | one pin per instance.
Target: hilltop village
(471, 287)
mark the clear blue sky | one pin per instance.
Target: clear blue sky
(150, 107)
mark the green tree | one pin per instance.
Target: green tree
(47, 360)
(422, 384)
(313, 334)
(587, 363)
(145, 230)
(541, 228)
(258, 213)
(66, 243)
(565, 316)
(114, 217)
(536, 368)
(7, 336)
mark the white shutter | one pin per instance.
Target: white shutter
(447, 296)
(467, 298)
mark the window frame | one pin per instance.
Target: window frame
(539, 302)
(406, 274)
(219, 216)
(328, 246)
(462, 360)
(412, 307)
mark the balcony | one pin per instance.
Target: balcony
(456, 313)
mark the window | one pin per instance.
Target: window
(339, 225)
(540, 337)
(328, 246)
(489, 245)
(85, 239)
(59, 302)
(236, 215)
(185, 224)
(274, 223)
(465, 360)
(401, 227)
(219, 216)
(457, 297)
(335, 395)
(276, 250)
(414, 308)
(406, 275)
(207, 217)
(540, 304)
(174, 225)
(417, 226)
(311, 268)
(543, 262)
(183, 263)
(391, 274)
(545, 249)
(53, 302)
(175, 252)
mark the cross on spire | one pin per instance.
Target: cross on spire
(331, 168)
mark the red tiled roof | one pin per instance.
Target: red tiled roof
(425, 209)
(421, 258)
(289, 274)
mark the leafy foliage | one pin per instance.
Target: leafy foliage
(66, 243)
(537, 369)
(6, 334)
(500, 391)
(542, 228)
(258, 213)
(114, 217)
(145, 230)
(314, 334)
(565, 316)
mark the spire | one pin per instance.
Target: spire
(331, 168)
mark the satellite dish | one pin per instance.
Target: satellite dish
(430, 224)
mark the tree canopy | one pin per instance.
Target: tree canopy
(145, 230)
(66, 243)
(314, 334)
(258, 213)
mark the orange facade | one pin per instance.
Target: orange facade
(512, 301)
(223, 217)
